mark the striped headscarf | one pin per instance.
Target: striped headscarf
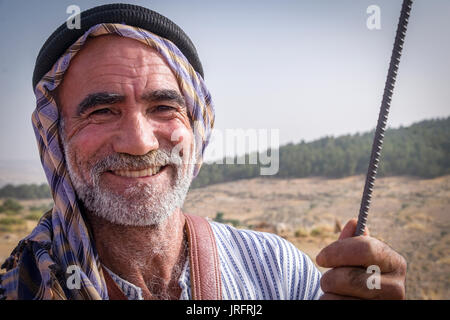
(60, 248)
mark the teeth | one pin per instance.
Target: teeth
(138, 173)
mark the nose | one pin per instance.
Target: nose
(136, 135)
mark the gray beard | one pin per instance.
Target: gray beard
(141, 204)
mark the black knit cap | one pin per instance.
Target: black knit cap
(129, 14)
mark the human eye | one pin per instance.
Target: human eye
(101, 114)
(163, 111)
(164, 108)
(102, 111)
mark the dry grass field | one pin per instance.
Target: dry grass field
(412, 215)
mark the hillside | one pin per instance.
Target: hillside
(421, 150)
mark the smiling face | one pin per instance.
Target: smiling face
(121, 106)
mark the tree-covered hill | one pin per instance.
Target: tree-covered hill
(422, 149)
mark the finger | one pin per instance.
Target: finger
(350, 228)
(361, 252)
(356, 282)
(331, 296)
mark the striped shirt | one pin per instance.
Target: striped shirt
(254, 266)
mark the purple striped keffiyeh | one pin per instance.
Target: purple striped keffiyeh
(38, 266)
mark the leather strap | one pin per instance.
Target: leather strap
(204, 260)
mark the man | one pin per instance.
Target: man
(122, 119)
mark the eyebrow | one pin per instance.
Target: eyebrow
(98, 98)
(164, 95)
(102, 98)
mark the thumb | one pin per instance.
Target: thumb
(349, 230)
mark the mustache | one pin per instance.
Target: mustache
(124, 161)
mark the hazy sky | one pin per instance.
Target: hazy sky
(308, 68)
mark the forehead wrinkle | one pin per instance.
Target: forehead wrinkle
(116, 82)
(123, 70)
(148, 64)
(96, 50)
(115, 78)
(160, 77)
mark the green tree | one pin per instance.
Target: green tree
(219, 217)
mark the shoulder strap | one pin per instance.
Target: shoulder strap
(203, 259)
